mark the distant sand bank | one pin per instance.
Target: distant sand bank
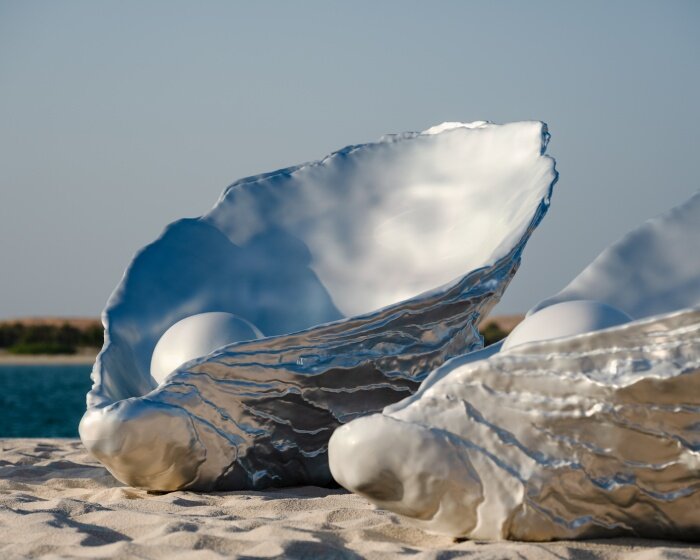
(56, 502)
(45, 359)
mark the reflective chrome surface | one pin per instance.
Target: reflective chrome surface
(589, 436)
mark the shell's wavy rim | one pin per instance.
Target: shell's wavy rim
(589, 436)
(260, 413)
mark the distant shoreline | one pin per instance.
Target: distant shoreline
(7, 359)
(87, 356)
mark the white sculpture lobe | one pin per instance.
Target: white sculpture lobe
(196, 336)
(565, 319)
(408, 469)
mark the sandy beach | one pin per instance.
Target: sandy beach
(8, 359)
(56, 502)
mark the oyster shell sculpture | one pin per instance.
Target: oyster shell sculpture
(357, 274)
(591, 435)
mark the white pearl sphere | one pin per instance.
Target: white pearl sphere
(197, 336)
(568, 318)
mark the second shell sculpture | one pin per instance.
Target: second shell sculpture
(357, 274)
(580, 437)
(584, 423)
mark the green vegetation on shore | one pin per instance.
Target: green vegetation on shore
(20, 338)
(492, 333)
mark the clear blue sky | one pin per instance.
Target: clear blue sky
(117, 118)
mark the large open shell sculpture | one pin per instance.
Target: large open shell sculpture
(358, 273)
(595, 434)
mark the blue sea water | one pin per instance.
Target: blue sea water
(42, 400)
